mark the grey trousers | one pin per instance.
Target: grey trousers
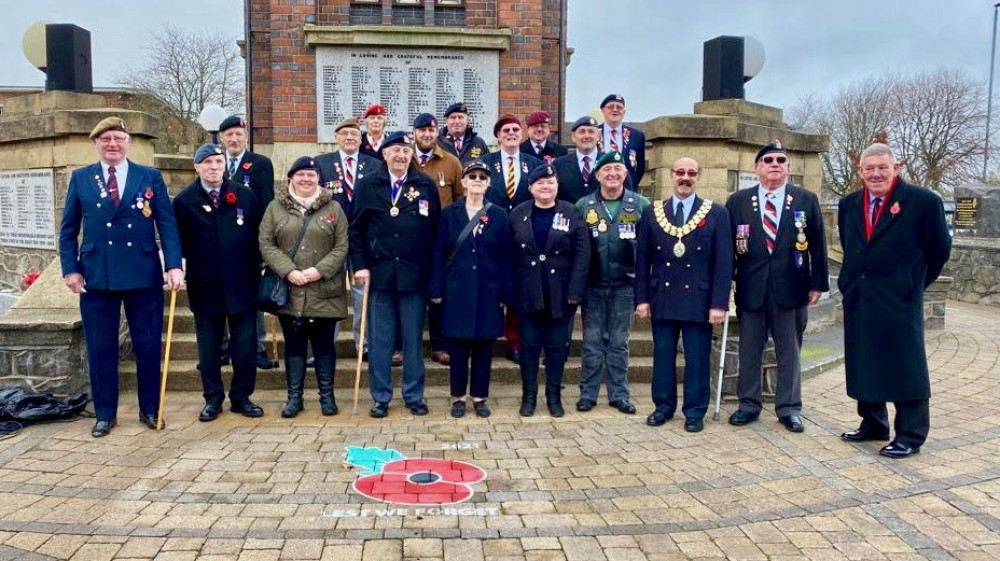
(607, 319)
(785, 326)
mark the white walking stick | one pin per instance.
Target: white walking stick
(722, 365)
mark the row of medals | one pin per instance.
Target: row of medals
(680, 231)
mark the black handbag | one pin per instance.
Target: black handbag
(272, 292)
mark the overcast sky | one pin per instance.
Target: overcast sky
(650, 51)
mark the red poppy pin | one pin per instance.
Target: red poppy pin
(148, 194)
(330, 217)
(484, 219)
(702, 223)
(231, 198)
(246, 166)
(894, 209)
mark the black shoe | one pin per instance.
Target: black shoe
(792, 422)
(458, 408)
(693, 425)
(556, 408)
(224, 358)
(898, 450)
(379, 410)
(527, 407)
(103, 428)
(862, 436)
(658, 418)
(418, 408)
(246, 408)
(210, 412)
(482, 410)
(265, 363)
(624, 406)
(585, 405)
(292, 407)
(311, 362)
(741, 417)
(397, 358)
(149, 419)
(328, 406)
(512, 355)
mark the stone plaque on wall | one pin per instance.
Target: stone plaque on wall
(27, 209)
(407, 82)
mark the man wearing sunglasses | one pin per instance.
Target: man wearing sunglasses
(781, 269)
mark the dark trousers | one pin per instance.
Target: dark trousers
(912, 422)
(539, 331)
(785, 326)
(317, 332)
(385, 308)
(101, 313)
(434, 313)
(481, 352)
(242, 350)
(697, 338)
(511, 331)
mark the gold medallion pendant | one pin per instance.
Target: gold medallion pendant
(393, 212)
(146, 211)
(602, 227)
(679, 249)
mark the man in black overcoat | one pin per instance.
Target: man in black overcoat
(895, 242)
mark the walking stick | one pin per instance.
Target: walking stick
(722, 364)
(361, 349)
(166, 359)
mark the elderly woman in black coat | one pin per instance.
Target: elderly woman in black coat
(551, 255)
(470, 276)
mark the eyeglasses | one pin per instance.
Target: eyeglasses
(509, 130)
(110, 139)
(682, 173)
(478, 176)
(770, 160)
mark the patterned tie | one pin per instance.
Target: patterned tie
(770, 223)
(511, 188)
(214, 195)
(349, 178)
(876, 206)
(458, 145)
(614, 140)
(113, 186)
(423, 160)
(679, 214)
(232, 168)
(586, 168)
(538, 149)
(396, 188)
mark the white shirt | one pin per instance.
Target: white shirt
(590, 162)
(121, 174)
(778, 199)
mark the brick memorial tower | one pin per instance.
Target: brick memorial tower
(314, 62)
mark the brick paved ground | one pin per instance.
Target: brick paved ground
(600, 486)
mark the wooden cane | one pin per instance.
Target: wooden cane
(166, 359)
(361, 349)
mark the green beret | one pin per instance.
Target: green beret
(608, 158)
(108, 124)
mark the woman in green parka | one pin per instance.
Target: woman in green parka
(317, 297)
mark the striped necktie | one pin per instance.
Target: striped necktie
(232, 168)
(770, 223)
(614, 140)
(586, 168)
(511, 188)
(349, 178)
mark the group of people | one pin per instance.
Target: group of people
(427, 223)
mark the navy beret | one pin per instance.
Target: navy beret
(475, 165)
(772, 147)
(541, 172)
(303, 162)
(207, 150)
(612, 97)
(456, 108)
(424, 120)
(398, 137)
(586, 121)
(232, 121)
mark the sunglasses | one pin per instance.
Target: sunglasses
(510, 130)
(478, 176)
(682, 173)
(770, 160)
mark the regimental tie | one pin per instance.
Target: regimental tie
(538, 149)
(614, 140)
(876, 206)
(349, 178)
(423, 159)
(458, 145)
(511, 188)
(214, 195)
(770, 222)
(586, 168)
(232, 168)
(396, 188)
(113, 186)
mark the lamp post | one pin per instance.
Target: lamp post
(989, 95)
(210, 118)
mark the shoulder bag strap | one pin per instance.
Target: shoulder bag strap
(464, 234)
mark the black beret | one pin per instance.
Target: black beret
(612, 97)
(586, 121)
(304, 162)
(424, 120)
(398, 137)
(475, 165)
(232, 121)
(458, 107)
(541, 172)
(207, 150)
(772, 147)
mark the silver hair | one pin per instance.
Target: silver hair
(877, 149)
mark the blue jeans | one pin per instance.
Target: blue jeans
(385, 308)
(697, 337)
(607, 319)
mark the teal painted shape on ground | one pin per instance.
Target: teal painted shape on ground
(371, 460)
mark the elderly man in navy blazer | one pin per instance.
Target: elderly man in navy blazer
(616, 137)
(121, 206)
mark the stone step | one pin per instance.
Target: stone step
(184, 376)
